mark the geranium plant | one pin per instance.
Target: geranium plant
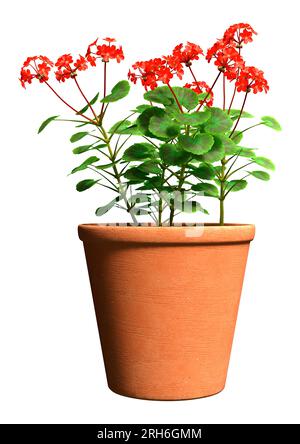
(177, 146)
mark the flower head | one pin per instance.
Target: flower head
(200, 88)
(104, 52)
(226, 58)
(67, 68)
(238, 34)
(185, 54)
(151, 72)
(36, 67)
(251, 79)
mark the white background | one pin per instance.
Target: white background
(51, 366)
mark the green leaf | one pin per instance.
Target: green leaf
(85, 164)
(264, 162)
(150, 167)
(195, 118)
(204, 171)
(262, 175)
(106, 166)
(216, 153)
(228, 144)
(163, 127)
(124, 127)
(85, 184)
(245, 152)
(219, 122)
(46, 122)
(189, 206)
(161, 94)
(119, 91)
(139, 151)
(186, 97)
(86, 107)
(236, 185)
(78, 136)
(200, 144)
(82, 149)
(237, 137)
(207, 189)
(235, 113)
(140, 108)
(135, 175)
(143, 120)
(173, 154)
(271, 123)
(105, 208)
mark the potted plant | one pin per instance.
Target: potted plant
(166, 295)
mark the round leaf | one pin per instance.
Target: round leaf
(219, 122)
(200, 144)
(264, 162)
(119, 91)
(271, 123)
(85, 184)
(78, 136)
(207, 189)
(139, 151)
(262, 175)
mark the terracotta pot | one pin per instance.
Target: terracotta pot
(166, 301)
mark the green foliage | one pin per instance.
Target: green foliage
(139, 151)
(235, 113)
(207, 189)
(119, 91)
(125, 127)
(46, 123)
(172, 154)
(200, 144)
(105, 208)
(163, 95)
(86, 107)
(163, 127)
(82, 149)
(262, 175)
(143, 120)
(216, 153)
(85, 184)
(264, 162)
(78, 136)
(236, 185)
(271, 122)
(134, 174)
(85, 164)
(219, 121)
(196, 118)
(203, 171)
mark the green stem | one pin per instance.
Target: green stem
(249, 127)
(117, 174)
(222, 192)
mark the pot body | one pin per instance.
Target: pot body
(166, 302)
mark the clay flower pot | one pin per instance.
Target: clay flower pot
(166, 301)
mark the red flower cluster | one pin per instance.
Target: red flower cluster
(33, 69)
(239, 34)
(66, 70)
(251, 79)
(163, 69)
(104, 52)
(199, 88)
(227, 58)
(186, 54)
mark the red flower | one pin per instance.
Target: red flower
(227, 59)
(251, 79)
(104, 52)
(32, 69)
(186, 54)
(239, 34)
(67, 69)
(199, 88)
(151, 72)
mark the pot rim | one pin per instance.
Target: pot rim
(208, 233)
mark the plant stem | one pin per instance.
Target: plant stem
(208, 93)
(175, 97)
(66, 103)
(241, 112)
(224, 93)
(222, 192)
(104, 91)
(249, 127)
(117, 174)
(83, 95)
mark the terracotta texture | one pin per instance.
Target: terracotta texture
(166, 301)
